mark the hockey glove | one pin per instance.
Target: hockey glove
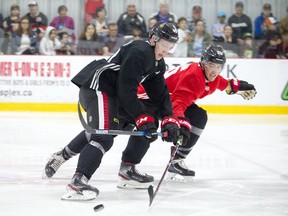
(171, 125)
(146, 122)
(185, 128)
(243, 88)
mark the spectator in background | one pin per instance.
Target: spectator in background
(89, 42)
(218, 27)
(67, 48)
(272, 47)
(130, 20)
(229, 42)
(137, 34)
(182, 43)
(248, 49)
(39, 35)
(64, 23)
(23, 40)
(101, 21)
(260, 28)
(286, 51)
(10, 24)
(90, 8)
(1, 33)
(1, 21)
(196, 15)
(283, 27)
(240, 22)
(36, 18)
(151, 22)
(164, 15)
(198, 40)
(49, 43)
(113, 41)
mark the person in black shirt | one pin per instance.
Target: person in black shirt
(240, 22)
(107, 86)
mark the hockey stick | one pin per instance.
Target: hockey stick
(153, 193)
(112, 132)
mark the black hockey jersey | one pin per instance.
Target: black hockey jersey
(121, 74)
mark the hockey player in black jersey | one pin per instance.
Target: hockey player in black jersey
(106, 85)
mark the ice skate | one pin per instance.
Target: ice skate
(56, 160)
(80, 190)
(130, 177)
(178, 171)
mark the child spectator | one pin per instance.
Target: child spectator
(218, 27)
(49, 43)
(182, 44)
(248, 49)
(23, 40)
(64, 23)
(68, 48)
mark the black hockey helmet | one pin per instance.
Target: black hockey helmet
(214, 53)
(166, 31)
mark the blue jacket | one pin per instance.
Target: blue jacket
(259, 31)
(16, 42)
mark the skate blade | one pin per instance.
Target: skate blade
(73, 195)
(178, 178)
(130, 184)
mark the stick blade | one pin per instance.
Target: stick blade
(151, 194)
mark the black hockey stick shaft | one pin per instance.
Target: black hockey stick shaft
(112, 132)
(152, 194)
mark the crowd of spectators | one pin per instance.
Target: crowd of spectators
(265, 37)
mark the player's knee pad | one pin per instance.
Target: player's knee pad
(102, 142)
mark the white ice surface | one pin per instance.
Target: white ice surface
(241, 165)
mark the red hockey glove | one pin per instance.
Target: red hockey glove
(146, 122)
(171, 125)
(185, 128)
(243, 88)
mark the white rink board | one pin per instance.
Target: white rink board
(46, 79)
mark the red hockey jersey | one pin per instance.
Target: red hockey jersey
(186, 84)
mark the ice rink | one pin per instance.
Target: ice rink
(241, 165)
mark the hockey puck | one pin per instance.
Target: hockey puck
(98, 207)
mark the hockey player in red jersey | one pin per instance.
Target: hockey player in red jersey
(186, 84)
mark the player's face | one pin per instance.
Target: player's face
(212, 70)
(162, 48)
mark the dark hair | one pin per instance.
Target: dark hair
(99, 9)
(19, 31)
(62, 7)
(83, 36)
(181, 19)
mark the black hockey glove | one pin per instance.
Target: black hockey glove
(243, 88)
(146, 122)
(185, 128)
(170, 125)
